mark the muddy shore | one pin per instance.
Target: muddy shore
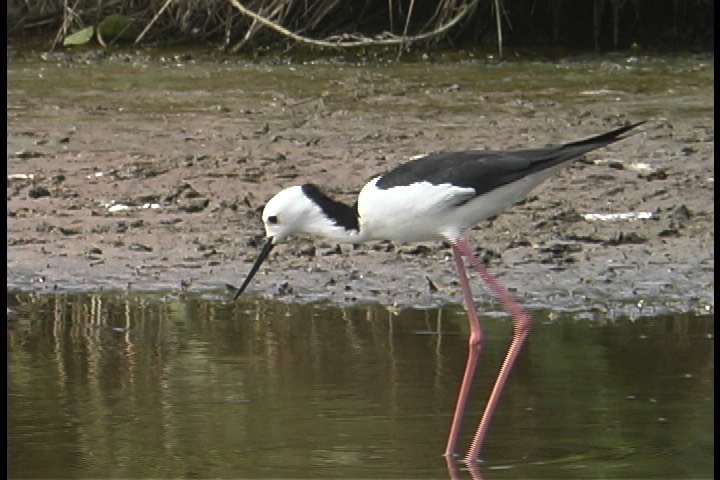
(153, 188)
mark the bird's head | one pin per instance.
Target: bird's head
(304, 209)
(289, 211)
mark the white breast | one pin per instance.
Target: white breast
(417, 212)
(423, 211)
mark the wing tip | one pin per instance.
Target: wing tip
(611, 136)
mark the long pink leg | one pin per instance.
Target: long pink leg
(475, 345)
(521, 329)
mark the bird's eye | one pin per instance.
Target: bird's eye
(272, 219)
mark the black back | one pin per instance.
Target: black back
(486, 170)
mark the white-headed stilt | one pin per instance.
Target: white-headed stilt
(434, 197)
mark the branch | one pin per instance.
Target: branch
(147, 27)
(360, 42)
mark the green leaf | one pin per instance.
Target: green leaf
(116, 27)
(81, 37)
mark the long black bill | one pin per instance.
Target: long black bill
(261, 258)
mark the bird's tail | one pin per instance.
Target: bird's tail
(604, 139)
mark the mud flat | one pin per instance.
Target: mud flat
(148, 174)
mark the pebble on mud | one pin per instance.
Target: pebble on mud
(38, 192)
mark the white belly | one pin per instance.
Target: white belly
(419, 212)
(423, 212)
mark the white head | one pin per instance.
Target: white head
(289, 212)
(303, 209)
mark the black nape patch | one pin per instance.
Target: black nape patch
(343, 215)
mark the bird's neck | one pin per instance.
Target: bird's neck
(335, 220)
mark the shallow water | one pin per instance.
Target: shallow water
(118, 385)
(135, 386)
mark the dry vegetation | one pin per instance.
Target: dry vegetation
(238, 24)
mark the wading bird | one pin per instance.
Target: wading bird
(434, 197)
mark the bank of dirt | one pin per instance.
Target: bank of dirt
(108, 195)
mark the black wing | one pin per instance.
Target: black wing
(486, 170)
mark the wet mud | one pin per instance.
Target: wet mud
(147, 175)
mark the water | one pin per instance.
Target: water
(150, 386)
(138, 386)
